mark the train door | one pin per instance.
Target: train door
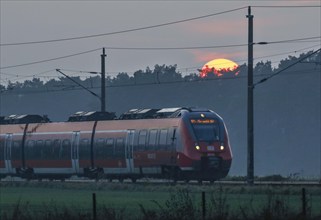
(129, 151)
(75, 151)
(7, 153)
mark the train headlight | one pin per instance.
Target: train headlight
(222, 147)
(197, 147)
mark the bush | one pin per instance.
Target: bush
(179, 206)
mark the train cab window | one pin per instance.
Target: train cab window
(142, 140)
(205, 130)
(152, 139)
(120, 148)
(84, 149)
(163, 143)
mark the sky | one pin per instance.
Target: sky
(187, 33)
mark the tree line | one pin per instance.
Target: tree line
(160, 74)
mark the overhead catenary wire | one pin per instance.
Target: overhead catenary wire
(18, 76)
(261, 81)
(297, 40)
(123, 31)
(51, 59)
(162, 48)
(70, 87)
(278, 72)
(302, 40)
(89, 51)
(197, 67)
(286, 6)
(151, 26)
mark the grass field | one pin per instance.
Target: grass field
(66, 200)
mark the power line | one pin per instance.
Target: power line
(18, 76)
(303, 40)
(48, 60)
(287, 6)
(161, 1)
(123, 31)
(74, 88)
(297, 40)
(175, 48)
(76, 54)
(258, 58)
(163, 48)
(278, 72)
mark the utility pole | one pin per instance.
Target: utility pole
(103, 87)
(250, 87)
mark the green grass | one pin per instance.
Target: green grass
(136, 200)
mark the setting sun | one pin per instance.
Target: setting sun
(218, 67)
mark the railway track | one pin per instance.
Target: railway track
(171, 182)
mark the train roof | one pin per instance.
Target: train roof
(143, 113)
(92, 116)
(23, 119)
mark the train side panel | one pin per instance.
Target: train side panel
(170, 147)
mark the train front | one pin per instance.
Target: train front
(205, 152)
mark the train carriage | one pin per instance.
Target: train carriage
(178, 143)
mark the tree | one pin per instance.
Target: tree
(35, 83)
(14, 85)
(263, 68)
(121, 79)
(2, 88)
(146, 76)
(191, 77)
(166, 73)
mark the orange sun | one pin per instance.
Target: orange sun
(218, 67)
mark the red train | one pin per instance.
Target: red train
(175, 143)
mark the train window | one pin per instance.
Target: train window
(100, 142)
(2, 149)
(142, 140)
(65, 150)
(39, 143)
(120, 148)
(16, 150)
(48, 143)
(40, 150)
(110, 148)
(99, 148)
(48, 149)
(152, 139)
(84, 149)
(163, 139)
(30, 149)
(56, 148)
(30, 144)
